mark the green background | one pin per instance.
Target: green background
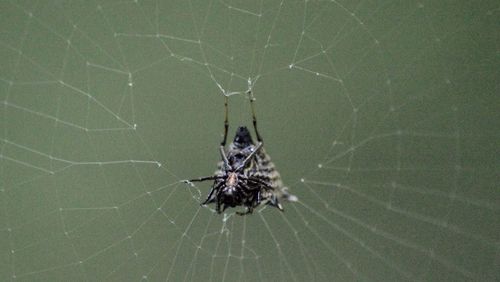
(381, 116)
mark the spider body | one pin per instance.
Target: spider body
(245, 175)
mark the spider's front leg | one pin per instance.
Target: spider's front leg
(201, 179)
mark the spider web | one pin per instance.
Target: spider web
(380, 116)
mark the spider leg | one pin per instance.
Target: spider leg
(258, 181)
(213, 177)
(251, 98)
(224, 158)
(224, 207)
(223, 142)
(210, 197)
(226, 122)
(250, 156)
(217, 206)
(252, 196)
(218, 198)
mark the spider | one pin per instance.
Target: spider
(245, 175)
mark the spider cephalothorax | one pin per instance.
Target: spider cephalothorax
(245, 176)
